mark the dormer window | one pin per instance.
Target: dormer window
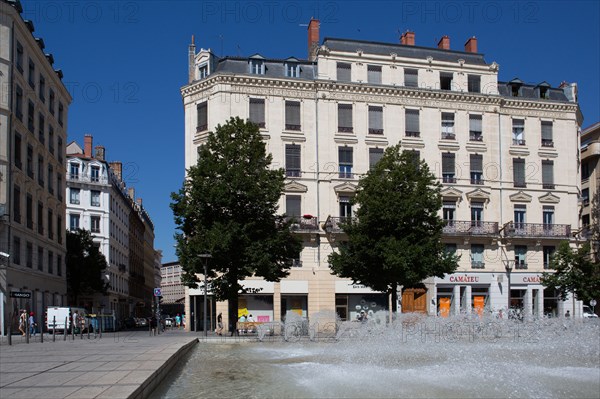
(292, 70)
(446, 80)
(203, 71)
(257, 67)
(543, 90)
(515, 87)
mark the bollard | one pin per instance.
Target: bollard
(100, 328)
(65, 332)
(53, 328)
(10, 329)
(27, 330)
(73, 325)
(42, 329)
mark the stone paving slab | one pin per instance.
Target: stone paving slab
(120, 365)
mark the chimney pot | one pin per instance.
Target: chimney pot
(131, 193)
(408, 38)
(313, 38)
(87, 145)
(100, 152)
(471, 45)
(444, 43)
(117, 168)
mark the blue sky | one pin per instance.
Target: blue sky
(125, 61)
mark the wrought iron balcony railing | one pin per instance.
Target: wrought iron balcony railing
(333, 223)
(86, 179)
(467, 227)
(303, 223)
(538, 230)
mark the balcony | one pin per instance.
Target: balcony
(76, 177)
(477, 181)
(449, 179)
(345, 129)
(413, 134)
(201, 128)
(448, 136)
(520, 264)
(475, 137)
(305, 223)
(332, 224)
(538, 230)
(518, 142)
(467, 227)
(375, 131)
(477, 265)
(547, 143)
(295, 128)
(548, 186)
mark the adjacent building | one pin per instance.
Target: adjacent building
(503, 151)
(590, 173)
(33, 129)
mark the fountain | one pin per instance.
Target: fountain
(415, 356)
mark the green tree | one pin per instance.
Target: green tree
(395, 238)
(574, 273)
(228, 207)
(85, 266)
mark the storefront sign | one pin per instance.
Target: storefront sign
(347, 287)
(526, 278)
(17, 294)
(467, 278)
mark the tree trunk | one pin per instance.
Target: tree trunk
(394, 298)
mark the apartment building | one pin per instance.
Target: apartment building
(590, 172)
(503, 151)
(33, 128)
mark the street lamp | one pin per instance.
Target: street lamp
(509, 268)
(206, 257)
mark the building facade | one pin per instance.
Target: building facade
(590, 172)
(33, 126)
(496, 147)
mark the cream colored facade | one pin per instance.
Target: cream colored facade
(590, 171)
(33, 126)
(524, 173)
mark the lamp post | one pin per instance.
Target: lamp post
(509, 268)
(206, 257)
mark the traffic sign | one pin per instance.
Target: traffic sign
(157, 292)
(17, 294)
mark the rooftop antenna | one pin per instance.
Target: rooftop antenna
(239, 49)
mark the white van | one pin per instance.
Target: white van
(57, 314)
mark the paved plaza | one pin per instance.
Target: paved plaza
(119, 365)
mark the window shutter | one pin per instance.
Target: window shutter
(292, 157)
(474, 83)
(476, 163)
(292, 113)
(547, 131)
(547, 172)
(412, 120)
(447, 122)
(448, 163)
(411, 78)
(518, 126)
(257, 111)
(375, 154)
(202, 116)
(376, 120)
(292, 205)
(345, 116)
(345, 155)
(344, 72)
(374, 74)
(475, 124)
(519, 171)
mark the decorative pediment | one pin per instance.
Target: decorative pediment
(520, 197)
(549, 198)
(451, 192)
(295, 187)
(478, 195)
(345, 188)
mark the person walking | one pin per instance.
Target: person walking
(178, 320)
(219, 324)
(32, 324)
(568, 314)
(23, 322)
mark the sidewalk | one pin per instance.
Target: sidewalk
(120, 365)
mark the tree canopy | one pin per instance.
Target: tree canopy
(85, 266)
(228, 208)
(395, 237)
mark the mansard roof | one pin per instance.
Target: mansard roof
(273, 67)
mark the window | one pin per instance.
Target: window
(50, 179)
(74, 195)
(60, 113)
(50, 262)
(448, 126)
(17, 151)
(31, 76)
(95, 174)
(41, 133)
(17, 204)
(475, 128)
(520, 256)
(345, 207)
(40, 258)
(446, 80)
(292, 70)
(585, 196)
(476, 164)
(345, 118)
(51, 139)
(59, 190)
(374, 74)
(548, 216)
(59, 229)
(16, 253)
(257, 67)
(375, 120)
(450, 249)
(519, 217)
(30, 161)
(519, 172)
(411, 124)
(548, 175)
(51, 98)
(474, 83)
(257, 111)
(547, 140)
(518, 131)
(585, 170)
(30, 116)
(292, 160)
(40, 217)
(95, 198)
(415, 155)
(42, 89)
(58, 265)
(411, 78)
(448, 167)
(203, 71)
(344, 72)
(375, 154)
(29, 210)
(29, 254)
(476, 214)
(292, 115)
(74, 171)
(20, 57)
(19, 103)
(41, 170)
(59, 150)
(345, 162)
(448, 211)
(74, 221)
(50, 224)
(548, 251)
(293, 207)
(95, 224)
(202, 110)
(477, 256)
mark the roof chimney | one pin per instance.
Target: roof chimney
(408, 38)
(139, 202)
(471, 45)
(117, 168)
(131, 193)
(87, 145)
(313, 38)
(191, 61)
(444, 43)
(100, 152)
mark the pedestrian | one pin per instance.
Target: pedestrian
(183, 320)
(178, 320)
(568, 314)
(74, 321)
(32, 324)
(22, 321)
(219, 324)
